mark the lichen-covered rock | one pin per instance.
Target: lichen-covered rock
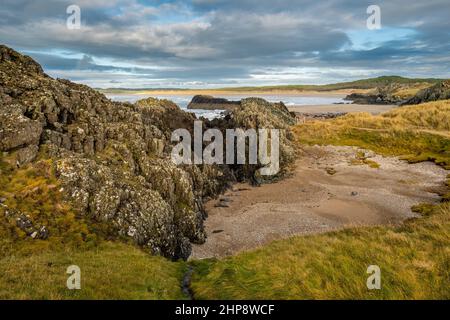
(113, 159)
(439, 91)
(257, 113)
(25, 223)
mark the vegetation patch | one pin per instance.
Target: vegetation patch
(414, 260)
(110, 270)
(361, 159)
(416, 133)
(33, 191)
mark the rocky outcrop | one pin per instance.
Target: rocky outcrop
(381, 95)
(112, 159)
(360, 98)
(256, 113)
(211, 103)
(439, 91)
(403, 94)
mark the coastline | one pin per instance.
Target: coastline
(224, 92)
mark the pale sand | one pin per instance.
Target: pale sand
(334, 108)
(313, 201)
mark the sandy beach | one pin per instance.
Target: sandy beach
(314, 201)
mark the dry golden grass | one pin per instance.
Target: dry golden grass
(108, 271)
(414, 261)
(432, 115)
(417, 133)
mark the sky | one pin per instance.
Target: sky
(223, 43)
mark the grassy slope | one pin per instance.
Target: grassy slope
(108, 271)
(414, 258)
(414, 261)
(358, 84)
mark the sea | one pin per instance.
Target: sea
(183, 100)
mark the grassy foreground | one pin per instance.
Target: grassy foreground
(111, 270)
(414, 261)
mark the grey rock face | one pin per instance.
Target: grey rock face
(439, 91)
(211, 103)
(113, 159)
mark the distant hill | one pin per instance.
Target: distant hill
(370, 83)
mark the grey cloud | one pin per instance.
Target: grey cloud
(222, 41)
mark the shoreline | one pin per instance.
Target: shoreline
(212, 92)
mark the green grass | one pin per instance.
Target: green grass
(414, 261)
(108, 271)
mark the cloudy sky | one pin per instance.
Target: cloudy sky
(218, 43)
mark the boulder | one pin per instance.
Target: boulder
(211, 103)
(439, 91)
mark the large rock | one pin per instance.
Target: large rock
(211, 103)
(440, 91)
(257, 113)
(113, 159)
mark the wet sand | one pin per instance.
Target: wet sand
(313, 201)
(338, 108)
